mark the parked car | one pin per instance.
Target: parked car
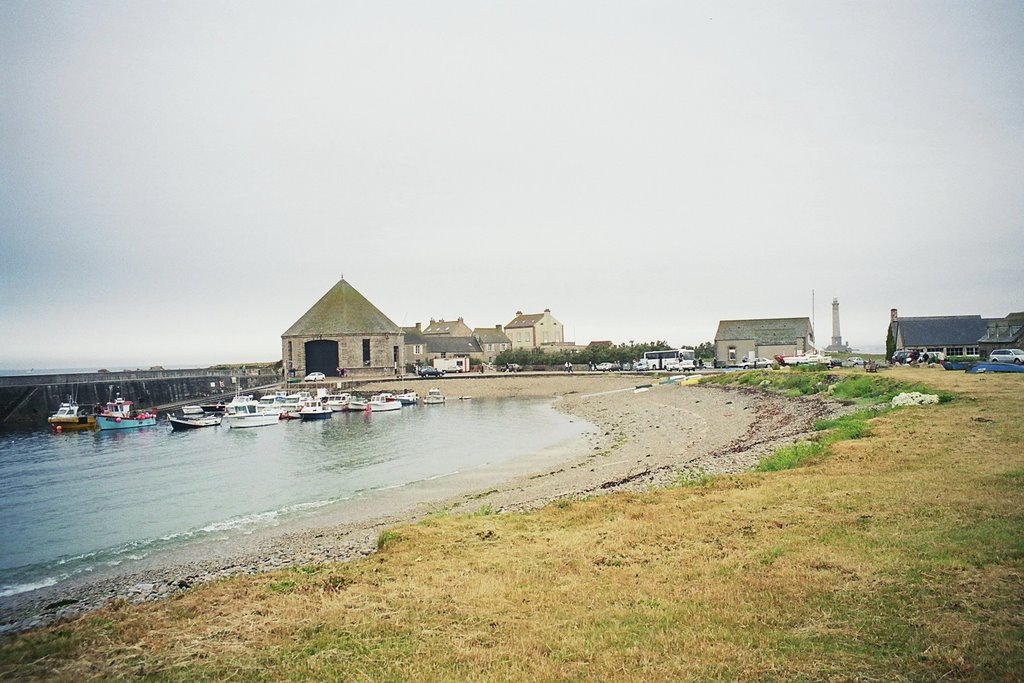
(607, 367)
(429, 371)
(315, 377)
(854, 361)
(1007, 356)
(756, 363)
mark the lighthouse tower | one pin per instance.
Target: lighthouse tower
(837, 339)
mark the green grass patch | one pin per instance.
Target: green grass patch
(853, 426)
(788, 457)
(386, 538)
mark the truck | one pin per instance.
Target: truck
(451, 364)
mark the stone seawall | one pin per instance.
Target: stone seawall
(28, 401)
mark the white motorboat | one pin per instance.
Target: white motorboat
(356, 404)
(315, 411)
(338, 402)
(409, 398)
(293, 403)
(244, 411)
(380, 403)
(433, 397)
(194, 421)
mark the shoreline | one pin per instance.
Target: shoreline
(640, 439)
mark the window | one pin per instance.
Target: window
(366, 353)
(732, 354)
(417, 349)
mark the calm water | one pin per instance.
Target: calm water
(79, 502)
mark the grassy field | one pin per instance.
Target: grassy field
(893, 554)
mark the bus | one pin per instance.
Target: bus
(668, 359)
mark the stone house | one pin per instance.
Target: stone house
(952, 335)
(530, 331)
(492, 340)
(1003, 333)
(415, 345)
(764, 337)
(343, 330)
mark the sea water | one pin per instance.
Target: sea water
(82, 502)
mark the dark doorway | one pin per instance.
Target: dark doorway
(322, 356)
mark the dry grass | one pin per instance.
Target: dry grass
(893, 557)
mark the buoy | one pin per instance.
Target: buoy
(117, 419)
(58, 429)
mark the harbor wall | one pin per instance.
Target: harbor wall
(26, 401)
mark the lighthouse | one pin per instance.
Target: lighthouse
(837, 339)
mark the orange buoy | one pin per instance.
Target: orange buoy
(58, 429)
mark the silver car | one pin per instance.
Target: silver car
(1007, 356)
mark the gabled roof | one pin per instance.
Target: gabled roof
(413, 335)
(491, 335)
(452, 345)
(765, 331)
(448, 327)
(342, 310)
(943, 330)
(1008, 330)
(528, 320)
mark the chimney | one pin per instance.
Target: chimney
(893, 315)
(519, 313)
(498, 328)
(418, 327)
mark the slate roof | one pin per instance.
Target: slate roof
(491, 335)
(413, 335)
(528, 320)
(1004, 330)
(452, 345)
(342, 310)
(448, 327)
(765, 331)
(944, 330)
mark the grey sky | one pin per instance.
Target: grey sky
(180, 181)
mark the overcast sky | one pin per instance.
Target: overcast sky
(181, 181)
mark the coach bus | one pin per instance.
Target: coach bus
(668, 359)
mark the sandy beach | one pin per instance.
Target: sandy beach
(641, 437)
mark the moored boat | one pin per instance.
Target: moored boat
(382, 403)
(121, 414)
(409, 398)
(433, 397)
(315, 411)
(71, 417)
(338, 402)
(244, 411)
(192, 410)
(180, 424)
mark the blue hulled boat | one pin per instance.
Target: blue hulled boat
(121, 414)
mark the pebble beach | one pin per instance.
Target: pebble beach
(643, 435)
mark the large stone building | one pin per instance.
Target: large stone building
(530, 331)
(765, 338)
(952, 335)
(343, 331)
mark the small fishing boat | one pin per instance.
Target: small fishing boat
(409, 398)
(433, 397)
(192, 410)
(186, 422)
(338, 402)
(244, 411)
(121, 414)
(981, 368)
(71, 417)
(315, 411)
(356, 404)
(382, 403)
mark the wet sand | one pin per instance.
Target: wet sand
(641, 438)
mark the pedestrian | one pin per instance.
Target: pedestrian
(566, 367)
